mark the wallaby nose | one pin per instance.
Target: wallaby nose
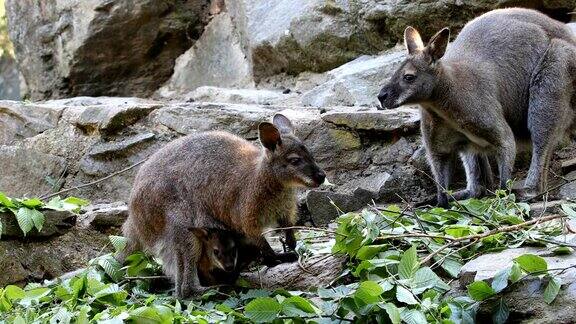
(229, 267)
(382, 96)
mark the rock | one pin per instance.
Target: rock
(321, 271)
(355, 83)
(26, 172)
(236, 96)
(568, 165)
(9, 78)
(325, 206)
(217, 59)
(20, 120)
(399, 119)
(115, 115)
(103, 215)
(539, 208)
(572, 26)
(486, 266)
(303, 35)
(525, 300)
(56, 223)
(69, 48)
(568, 191)
(32, 261)
(119, 148)
(399, 152)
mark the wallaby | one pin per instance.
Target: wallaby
(224, 254)
(510, 74)
(218, 180)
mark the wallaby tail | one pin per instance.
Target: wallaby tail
(132, 245)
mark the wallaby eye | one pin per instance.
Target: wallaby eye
(216, 252)
(409, 78)
(295, 160)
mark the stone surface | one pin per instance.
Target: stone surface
(9, 78)
(573, 27)
(103, 215)
(22, 120)
(115, 115)
(237, 96)
(486, 266)
(356, 83)
(69, 48)
(217, 59)
(33, 261)
(568, 191)
(26, 172)
(402, 118)
(56, 223)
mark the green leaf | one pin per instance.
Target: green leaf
(531, 263)
(262, 309)
(480, 290)
(500, 312)
(369, 292)
(34, 296)
(413, 316)
(563, 250)
(111, 267)
(500, 281)
(4, 200)
(425, 279)
(119, 242)
(515, 273)
(297, 306)
(63, 316)
(452, 266)
(408, 263)
(37, 218)
(32, 203)
(393, 312)
(567, 209)
(368, 252)
(76, 201)
(14, 293)
(24, 218)
(552, 289)
(19, 320)
(405, 296)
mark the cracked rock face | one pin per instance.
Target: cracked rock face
(67, 48)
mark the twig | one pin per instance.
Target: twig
(506, 229)
(556, 242)
(302, 228)
(393, 236)
(146, 278)
(93, 182)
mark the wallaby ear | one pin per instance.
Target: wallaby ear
(412, 40)
(269, 135)
(200, 233)
(438, 44)
(283, 124)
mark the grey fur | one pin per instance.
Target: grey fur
(509, 75)
(217, 180)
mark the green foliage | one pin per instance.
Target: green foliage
(398, 268)
(28, 211)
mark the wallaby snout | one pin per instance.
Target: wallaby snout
(383, 98)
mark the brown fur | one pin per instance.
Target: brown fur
(217, 180)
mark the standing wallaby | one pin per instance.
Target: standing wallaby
(224, 254)
(218, 180)
(510, 74)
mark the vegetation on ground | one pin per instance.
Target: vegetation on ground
(399, 269)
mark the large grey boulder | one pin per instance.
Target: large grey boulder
(68, 48)
(355, 83)
(22, 120)
(217, 59)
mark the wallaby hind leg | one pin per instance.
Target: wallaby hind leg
(549, 112)
(442, 166)
(474, 165)
(132, 244)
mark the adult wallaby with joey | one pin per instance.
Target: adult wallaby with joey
(224, 254)
(510, 74)
(218, 180)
